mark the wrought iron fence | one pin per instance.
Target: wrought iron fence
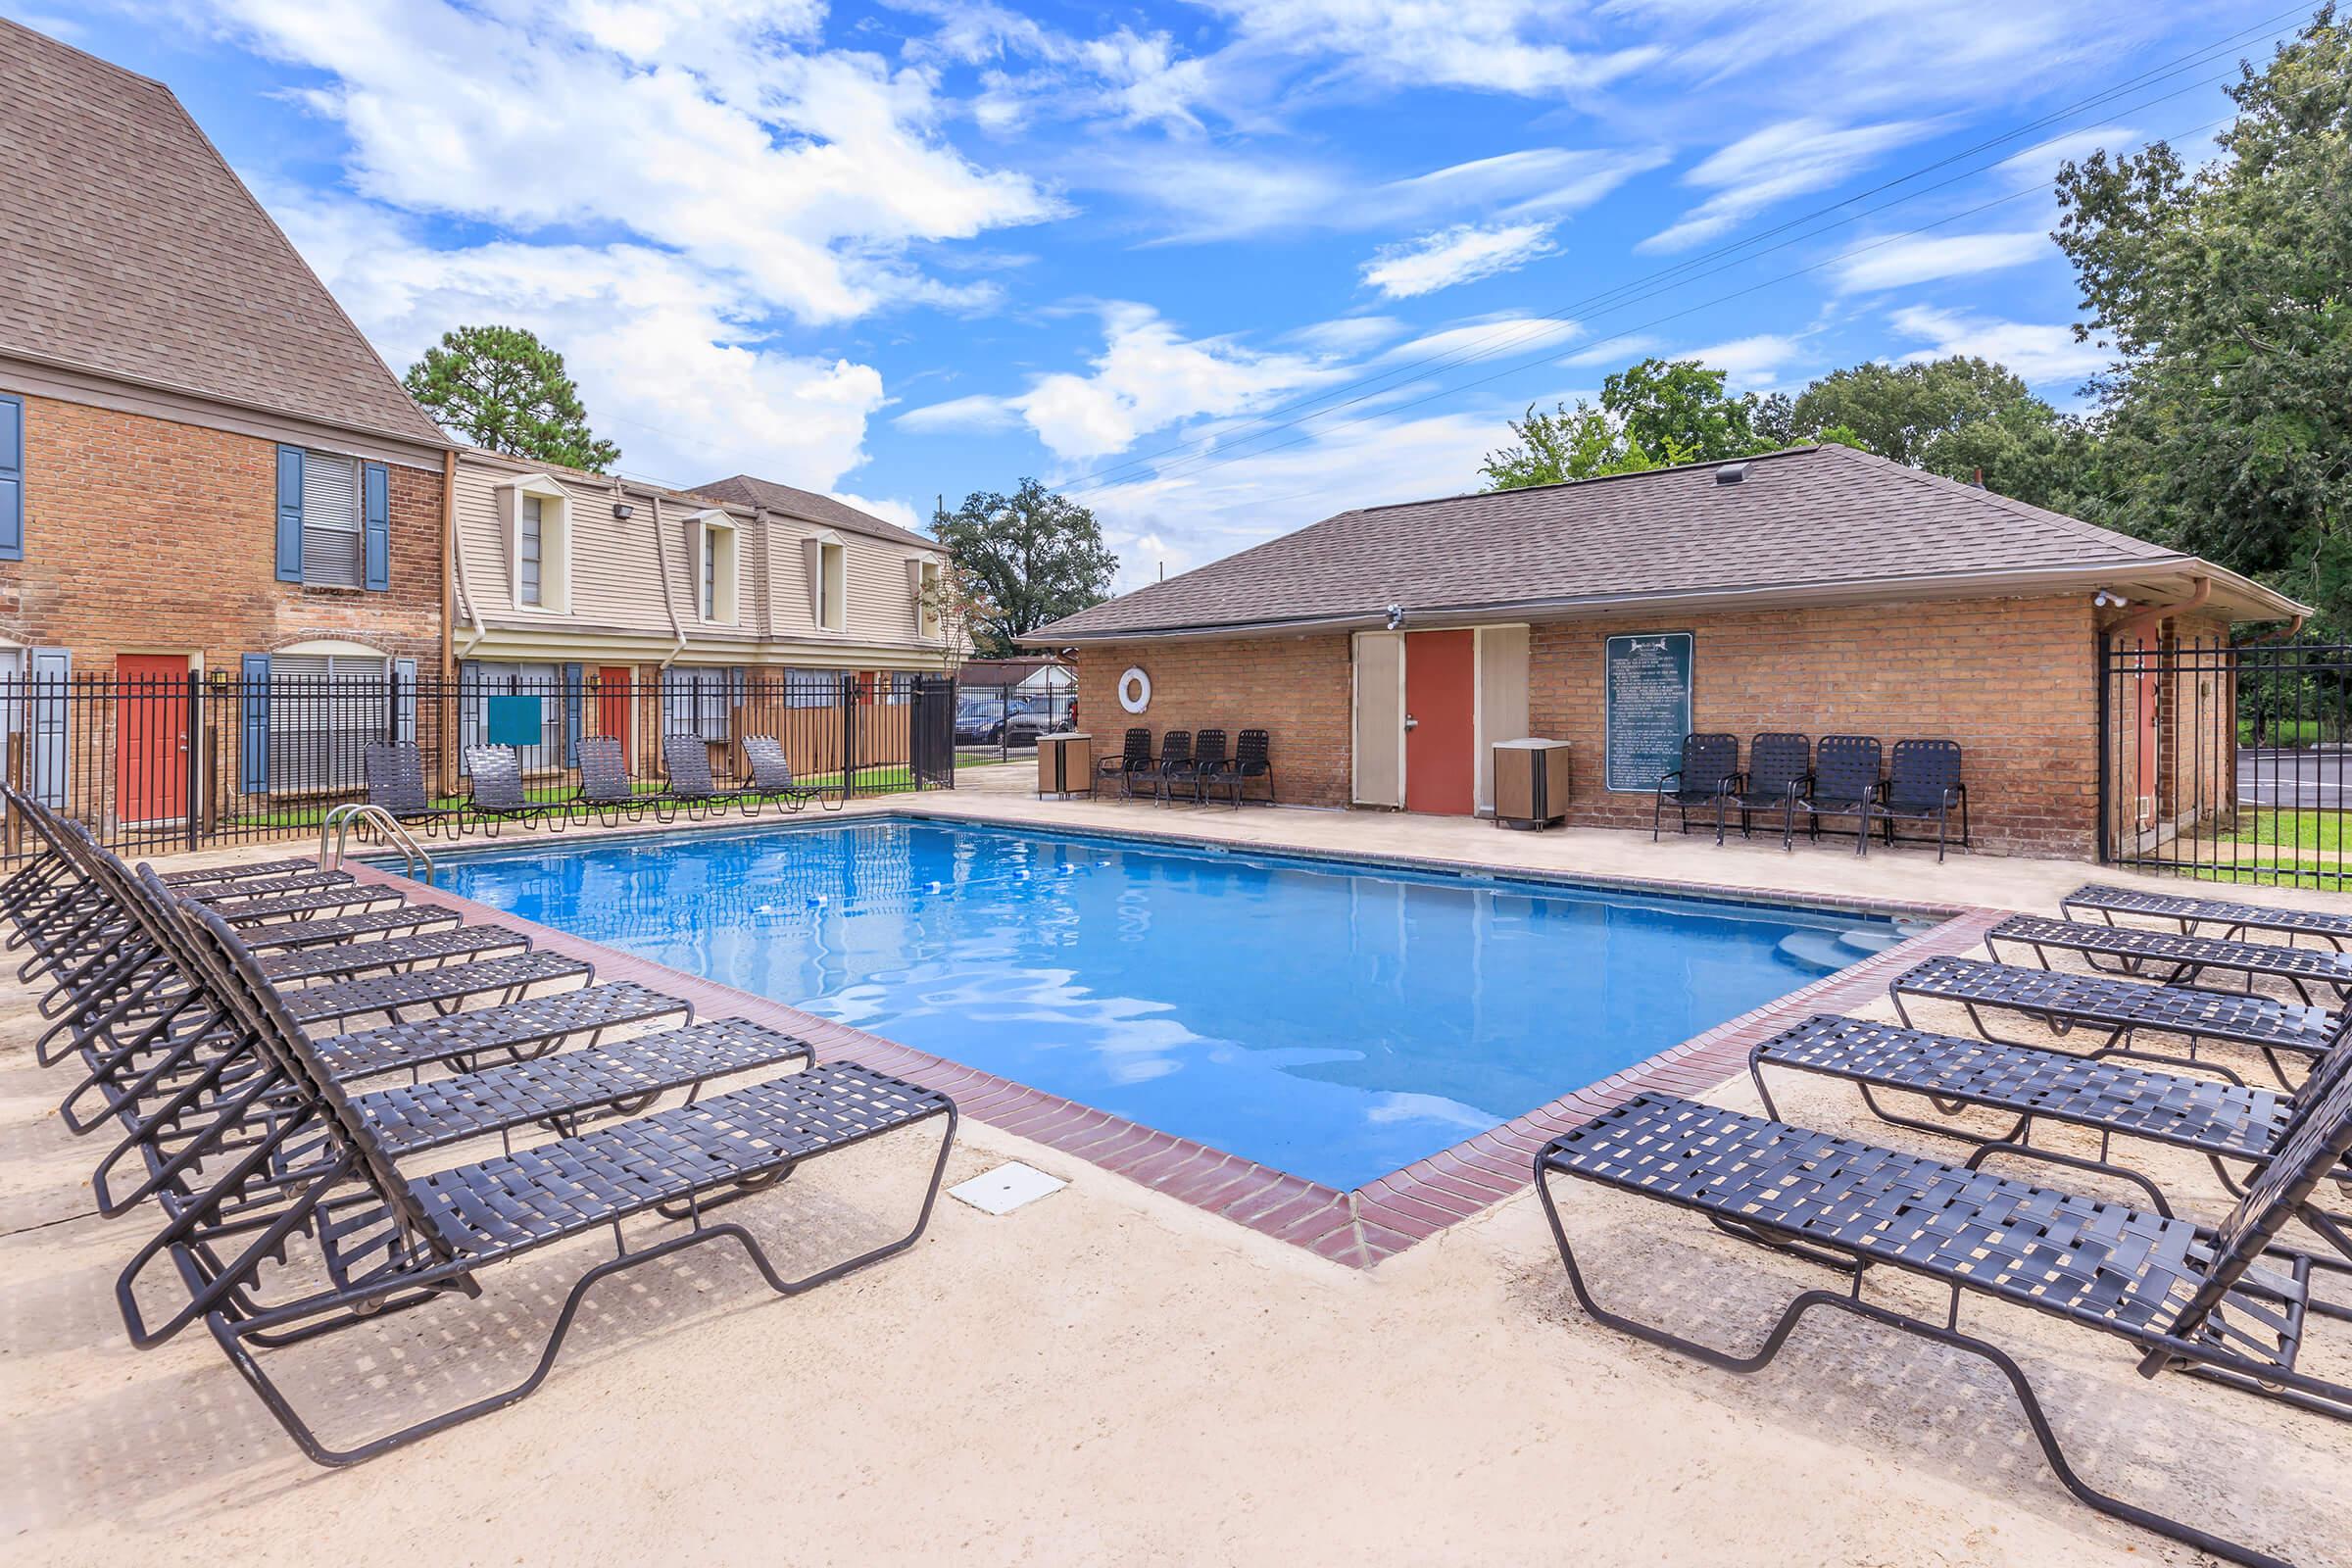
(171, 764)
(1000, 722)
(2227, 762)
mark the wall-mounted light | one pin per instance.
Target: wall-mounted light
(1396, 616)
(2103, 600)
(623, 511)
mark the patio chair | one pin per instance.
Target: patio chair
(1780, 768)
(606, 787)
(395, 772)
(1134, 758)
(2173, 958)
(2186, 914)
(1710, 770)
(2229, 1123)
(1846, 783)
(1175, 764)
(686, 758)
(397, 1241)
(498, 794)
(772, 774)
(2115, 1010)
(2224, 1304)
(1924, 785)
(1214, 770)
(1252, 760)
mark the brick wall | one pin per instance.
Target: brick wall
(1297, 689)
(145, 535)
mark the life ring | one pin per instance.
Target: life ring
(1135, 691)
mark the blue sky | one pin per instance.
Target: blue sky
(1220, 269)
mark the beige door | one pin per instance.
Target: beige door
(1379, 720)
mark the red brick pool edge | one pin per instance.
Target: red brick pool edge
(1358, 1228)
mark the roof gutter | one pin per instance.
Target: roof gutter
(2148, 615)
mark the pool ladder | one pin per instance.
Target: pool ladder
(341, 819)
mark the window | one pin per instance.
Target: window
(832, 585)
(333, 546)
(715, 572)
(537, 515)
(545, 682)
(324, 709)
(812, 688)
(700, 702)
(528, 541)
(927, 609)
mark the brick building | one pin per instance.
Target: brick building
(1819, 589)
(204, 466)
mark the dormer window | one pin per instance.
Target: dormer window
(828, 567)
(537, 515)
(717, 549)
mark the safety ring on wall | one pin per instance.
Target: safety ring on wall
(1135, 691)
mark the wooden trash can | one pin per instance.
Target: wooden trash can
(1530, 783)
(1065, 765)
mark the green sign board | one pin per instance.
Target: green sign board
(511, 720)
(1646, 685)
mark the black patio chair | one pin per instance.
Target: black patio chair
(375, 1239)
(772, 774)
(2225, 1304)
(1252, 758)
(1213, 770)
(1134, 758)
(1175, 764)
(1710, 770)
(498, 796)
(686, 758)
(1846, 783)
(2175, 958)
(395, 773)
(1780, 768)
(1924, 785)
(2186, 914)
(605, 789)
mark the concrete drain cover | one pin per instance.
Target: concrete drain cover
(1006, 1188)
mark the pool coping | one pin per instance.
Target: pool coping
(1361, 1227)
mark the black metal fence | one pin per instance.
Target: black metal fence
(2232, 763)
(171, 763)
(1000, 722)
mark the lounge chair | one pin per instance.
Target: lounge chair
(1846, 783)
(2170, 957)
(395, 771)
(399, 1242)
(606, 787)
(1710, 769)
(1924, 785)
(1780, 768)
(498, 794)
(687, 760)
(2186, 914)
(1175, 764)
(1252, 758)
(2114, 1011)
(1134, 758)
(2222, 1304)
(2226, 1122)
(772, 774)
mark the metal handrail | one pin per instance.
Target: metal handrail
(340, 821)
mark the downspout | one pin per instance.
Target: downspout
(457, 557)
(2288, 635)
(449, 556)
(677, 627)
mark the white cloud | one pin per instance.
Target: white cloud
(1794, 158)
(1895, 264)
(1487, 336)
(1345, 334)
(978, 412)
(2039, 165)
(1462, 254)
(1526, 47)
(2040, 355)
(1615, 352)
(1749, 363)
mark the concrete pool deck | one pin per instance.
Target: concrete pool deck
(1115, 1375)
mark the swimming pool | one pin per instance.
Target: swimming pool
(1331, 1020)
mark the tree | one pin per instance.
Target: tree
(1029, 558)
(500, 387)
(2224, 292)
(956, 608)
(1651, 415)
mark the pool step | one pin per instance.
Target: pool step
(1827, 951)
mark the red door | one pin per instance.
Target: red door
(613, 703)
(1440, 682)
(151, 761)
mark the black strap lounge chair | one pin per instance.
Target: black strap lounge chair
(772, 774)
(406, 920)
(1252, 758)
(370, 1238)
(2114, 1011)
(606, 787)
(2186, 913)
(1710, 770)
(1134, 758)
(2227, 1123)
(1924, 785)
(1175, 764)
(1846, 783)
(687, 760)
(1780, 768)
(2225, 1304)
(2170, 957)
(395, 772)
(498, 794)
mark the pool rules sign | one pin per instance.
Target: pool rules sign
(1646, 679)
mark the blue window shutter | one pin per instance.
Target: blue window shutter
(404, 717)
(47, 720)
(253, 756)
(12, 478)
(289, 514)
(571, 715)
(376, 500)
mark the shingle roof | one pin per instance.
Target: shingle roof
(1808, 518)
(745, 491)
(130, 250)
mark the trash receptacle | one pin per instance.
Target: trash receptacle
(1065, 765)
(1530, 783)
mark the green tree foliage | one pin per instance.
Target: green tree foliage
(500, 387)
(2222, 291)
(1032, 557)
(1651, 415)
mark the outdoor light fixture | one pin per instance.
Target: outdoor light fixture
(1396, 616)
(623, 511)
(2103, 600)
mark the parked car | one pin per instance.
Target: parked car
(985, 722)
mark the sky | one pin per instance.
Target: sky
(1215, 268)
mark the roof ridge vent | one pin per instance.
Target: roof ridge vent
(1732, 473)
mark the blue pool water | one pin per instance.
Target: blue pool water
(1335, 1021)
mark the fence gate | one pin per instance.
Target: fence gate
(931, 740)
(2228, 763)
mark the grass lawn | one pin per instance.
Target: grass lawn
(2284, 732)
(2290, 830)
